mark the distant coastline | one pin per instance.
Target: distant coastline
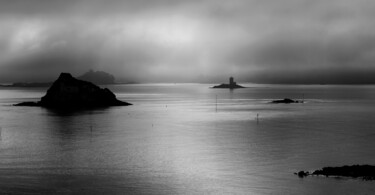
(96, 77)
(47, 84)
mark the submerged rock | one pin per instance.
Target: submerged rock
(68, 92)
(286, 101)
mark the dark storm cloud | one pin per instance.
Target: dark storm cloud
(292, 41)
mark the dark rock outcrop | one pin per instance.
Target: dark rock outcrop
(28, 104)
(68, 92)
(365, 172)
(286, 101)
(302, 174)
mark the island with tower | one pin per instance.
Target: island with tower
(231, 85)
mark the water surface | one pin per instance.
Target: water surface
(178, 139)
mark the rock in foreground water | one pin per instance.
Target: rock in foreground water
(365, 172)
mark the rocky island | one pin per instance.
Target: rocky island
(231, 85)
(365, 172)
(68, 92)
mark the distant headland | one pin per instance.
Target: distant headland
(231, 85)
(68, 92)
(96, 77)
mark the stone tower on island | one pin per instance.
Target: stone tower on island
(231, 82)
(230, 85)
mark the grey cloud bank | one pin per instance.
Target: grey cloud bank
(291, 41)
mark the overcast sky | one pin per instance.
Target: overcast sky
(263, 41)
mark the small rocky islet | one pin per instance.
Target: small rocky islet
(68, 92)
(286, 101)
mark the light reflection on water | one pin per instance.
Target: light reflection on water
(173, 141)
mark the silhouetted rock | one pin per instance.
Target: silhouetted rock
(365, 172)
(28, 104)
(227, 86)
(68, 92)
(286, 101)
(231, 85)
(98, 77)
(302, 174)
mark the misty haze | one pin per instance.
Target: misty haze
(291, 41)
(187, 97)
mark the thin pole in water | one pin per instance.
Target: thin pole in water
(257, 118)
(90, 133)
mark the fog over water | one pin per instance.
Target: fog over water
(291, 41)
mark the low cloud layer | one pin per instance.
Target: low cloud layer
(291, 41)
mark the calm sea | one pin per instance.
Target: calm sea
(181, 139)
